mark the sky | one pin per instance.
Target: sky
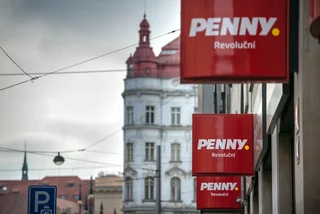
(69, 112)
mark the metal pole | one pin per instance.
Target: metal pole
(158, 181)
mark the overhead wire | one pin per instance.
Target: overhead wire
(68, 158)
(70, 72)
(14, 62)
(82, 62)
(88, 161)
(3, 149)
(137, 120)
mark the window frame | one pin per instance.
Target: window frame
(129, 189)
(175, 189)
(129, 151)
(175, 116)
(131, 70)
(149, 151)
(150, 115)
(149, 185)
(129, 115)
(175, 152)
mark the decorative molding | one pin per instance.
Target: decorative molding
(129, 172)
(175, 171)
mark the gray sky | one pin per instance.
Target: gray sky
(69, 112)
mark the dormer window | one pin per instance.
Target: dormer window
(130, 70)
(168, 52)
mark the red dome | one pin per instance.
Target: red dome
(144, 23)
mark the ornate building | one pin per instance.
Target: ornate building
(158, 111)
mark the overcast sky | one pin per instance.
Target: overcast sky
(70, 112)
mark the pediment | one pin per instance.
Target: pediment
(176, 171)
(129, 172)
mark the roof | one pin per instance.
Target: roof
(173, 45)
(66, 185)
(170, 53)
(17, 203)
(109, 183)
(144, 23)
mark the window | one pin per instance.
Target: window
(195, 189)
(149, 188)
(130, 70)
(70, 184)
(175, 189)
(129, 189)
(76, 197)
(175, 152)
(130, 115)
(150, 114)
(168, 52)
(63, 196)
(149, 152)
(129, 152)
(175, 116)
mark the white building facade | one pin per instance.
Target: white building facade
(158, 111)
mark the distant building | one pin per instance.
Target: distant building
(158, 111)
(108, 193)
(14, 193)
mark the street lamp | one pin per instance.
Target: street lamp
(80, 201)
(58, 160)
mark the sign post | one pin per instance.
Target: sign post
(42, 199)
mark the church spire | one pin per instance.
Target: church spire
(25, 165)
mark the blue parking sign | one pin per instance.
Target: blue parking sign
(42, 199)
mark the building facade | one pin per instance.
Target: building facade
(108, 194)
(157, 111)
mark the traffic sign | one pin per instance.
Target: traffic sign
(42, 199)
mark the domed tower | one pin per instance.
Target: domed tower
(143, 63)
(157, 112)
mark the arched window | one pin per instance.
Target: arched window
(144, 38)
(129, 190)
(175, 189)
(149, 188)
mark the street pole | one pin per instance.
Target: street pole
(158, 181)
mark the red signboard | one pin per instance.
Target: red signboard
(234, 41)
(218, 193)
(222, 144)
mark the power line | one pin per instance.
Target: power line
(82, 62)
(136, 166)
(67, 158)
(99, 141)
(110, 135)
(49, 169)
(15, 62)
(3, 149)
(69, 72)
